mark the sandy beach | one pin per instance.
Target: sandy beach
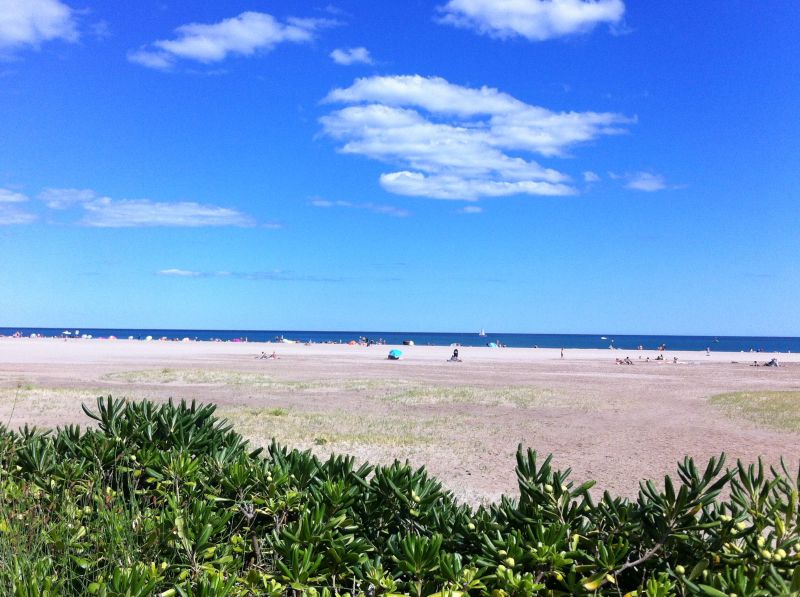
(613, 423)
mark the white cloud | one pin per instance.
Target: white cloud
(32, 22)
(389, 210)
(179, 273)
(275, 275)
(348, 56)
(244, 35)
(64, 198)
(471, 209)
(10, 216)
(9, 196)
(137, 213)
(590, 176)
(457, 142)
(646, 181)
(455, 187)
(105, 212)
(535, 20)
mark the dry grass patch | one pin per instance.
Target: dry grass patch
(509, 396)
(773, 409)
(209, 377)
(293, 427)
(225, 377)
(27, 399)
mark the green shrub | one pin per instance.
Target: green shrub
(168, 500)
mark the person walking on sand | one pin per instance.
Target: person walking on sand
(562, 353)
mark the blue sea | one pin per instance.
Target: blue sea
(599, 340)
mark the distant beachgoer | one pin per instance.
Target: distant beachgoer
(628, 361)
(674, 359)
(455, 358)
(562, 353)
(708, 352)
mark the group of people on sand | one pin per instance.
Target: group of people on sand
(628, 361)
(771, 363)
(264, 355)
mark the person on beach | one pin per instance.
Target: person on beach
(562, 353)
(455, 358)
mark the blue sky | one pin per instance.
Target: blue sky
(521, 165)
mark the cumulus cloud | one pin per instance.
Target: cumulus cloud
(646, 181)
(456, 142)
(242, 35)
(9, 196)
(389, 210)
(535, 20)
(348, 56)
(33, 22)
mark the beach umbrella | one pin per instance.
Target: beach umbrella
(395, 354)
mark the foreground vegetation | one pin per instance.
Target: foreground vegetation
(168, 500)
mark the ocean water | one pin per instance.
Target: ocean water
(601, 340)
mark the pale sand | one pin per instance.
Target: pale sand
(616, 424)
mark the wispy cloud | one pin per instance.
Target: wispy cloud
(179, 273)
(137, 213)
(646, 181)
(457, 142)
(535, 20)
(10, 215)
(33, 22)
(389, 210)
(9, 196)
(243, 35)
(348, 56)
(105, 212)
(269, 276)
(64, 198)
(470, 209)
(590, 176)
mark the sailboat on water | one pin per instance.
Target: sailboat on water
(482, 333)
